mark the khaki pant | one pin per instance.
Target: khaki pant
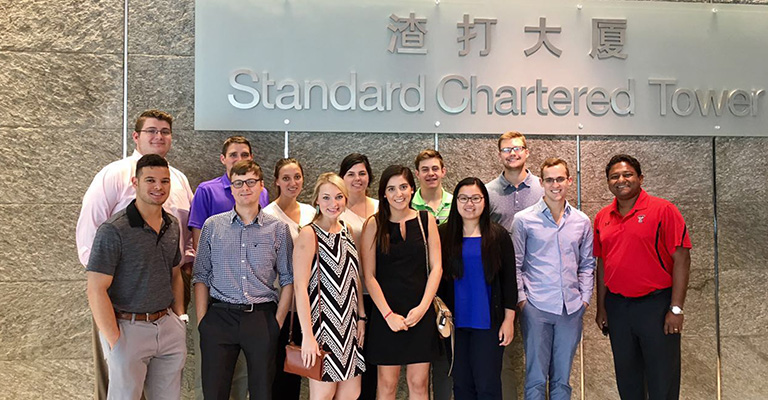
(149, 357)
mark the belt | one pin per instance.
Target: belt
(149, 317)
(651, 294)
(243, 307)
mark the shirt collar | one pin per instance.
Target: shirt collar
(526, 182)
(225, 182)
(640, 204)
(233, 217)
(445, 200)
(135, 220)
(541, 206)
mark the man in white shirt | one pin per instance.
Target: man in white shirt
(111, 191)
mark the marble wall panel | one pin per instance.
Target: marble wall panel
(53, 165)
(678, 169)
(743, 300)
(161, 27)
(165, 83)
(741, 235)
(744, 367)
(45, 378)
(37, 243)
(323, 152)
(60, 90)
(88, 26)
(44, 320)
(740, 167)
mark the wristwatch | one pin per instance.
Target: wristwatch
(184, 317)
(676, 310)
(362, 318)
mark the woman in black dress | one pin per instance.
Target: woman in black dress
(402, 326)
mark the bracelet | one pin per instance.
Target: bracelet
(362, 318)
(388, 314)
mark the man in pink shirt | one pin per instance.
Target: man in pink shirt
(111, 191)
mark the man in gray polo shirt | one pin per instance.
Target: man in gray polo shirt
(132, 283)
(514, 190)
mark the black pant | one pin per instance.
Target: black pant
(286, 386)
(477, 367)
(647, 361)
(370, 377)
(223, 333)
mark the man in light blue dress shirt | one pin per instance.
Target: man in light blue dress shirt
(555, 274)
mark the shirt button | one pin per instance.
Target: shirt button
(242, 261)
(243, 277)
(243, 245)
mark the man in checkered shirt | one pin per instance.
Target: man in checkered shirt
(240, 255)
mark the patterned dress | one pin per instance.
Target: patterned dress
(336, 330)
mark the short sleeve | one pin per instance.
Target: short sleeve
(675, 230)
(106, 251)
(597, 248)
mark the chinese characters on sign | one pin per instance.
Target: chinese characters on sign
(468, 34)
(408, 36)
(409, 33)
(608, 38)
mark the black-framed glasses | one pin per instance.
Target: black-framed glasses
(153, 131)
(476, 199)
(559, 179)
(249, 182)
(513, 149)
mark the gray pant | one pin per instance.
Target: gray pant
(550, 342)
(148, 356)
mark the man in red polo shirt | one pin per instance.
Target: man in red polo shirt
(644, 259)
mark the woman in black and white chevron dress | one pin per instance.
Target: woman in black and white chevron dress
(326, 251)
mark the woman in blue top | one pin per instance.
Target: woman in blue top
(480, 286)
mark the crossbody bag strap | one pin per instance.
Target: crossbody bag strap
(424, 237)
(319, 299)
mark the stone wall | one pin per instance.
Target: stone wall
(61, 113)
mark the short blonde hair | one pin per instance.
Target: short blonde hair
(512, 135)
(333, 179)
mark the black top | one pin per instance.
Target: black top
(402, 275)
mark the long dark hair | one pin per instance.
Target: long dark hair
(452, 235)
(382, 216)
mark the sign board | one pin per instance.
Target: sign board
(555, 67)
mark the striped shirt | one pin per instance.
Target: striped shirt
(441, 214)
(240, 262)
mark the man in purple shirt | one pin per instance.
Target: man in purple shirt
(211, 198)
(555, 275)
(215, 196)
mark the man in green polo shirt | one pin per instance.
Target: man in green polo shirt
(431, 197)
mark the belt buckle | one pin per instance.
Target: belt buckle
(250, 309)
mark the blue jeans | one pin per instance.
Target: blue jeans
(550, 342)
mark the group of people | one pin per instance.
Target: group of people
(352, 279)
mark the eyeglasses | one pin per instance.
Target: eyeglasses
(476, 199)
(514, 149)
(153, 131)
(559, 179)
(250, 182)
